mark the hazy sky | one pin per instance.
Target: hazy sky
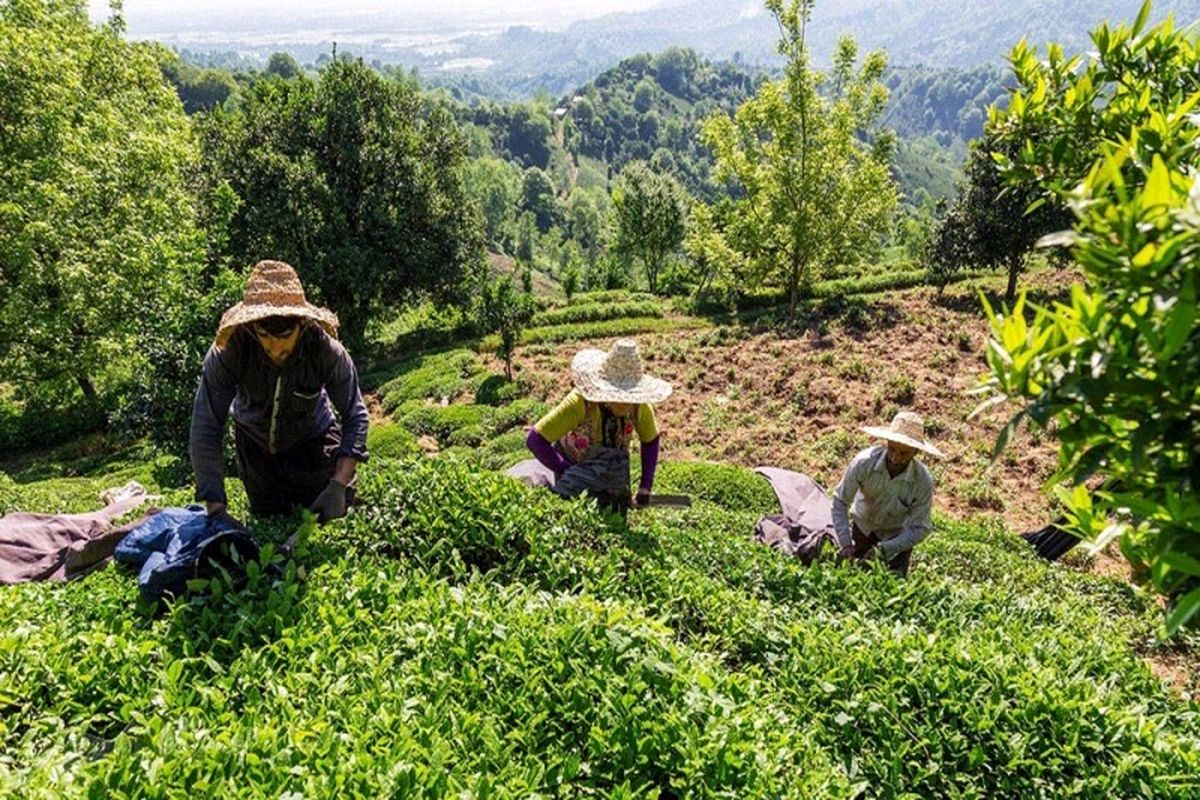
(524, 9)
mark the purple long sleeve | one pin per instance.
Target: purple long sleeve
(649, 452)
(545, 453)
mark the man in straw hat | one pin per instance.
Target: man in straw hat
(277, 364)
(891, 493)
(582, 445)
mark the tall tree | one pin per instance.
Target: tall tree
(1116, 369)
(495, 185)
(650, 211)
(355, 182)
(504, 311)
(816, 191)
(993, 224)
(537, 197)
(96, 218)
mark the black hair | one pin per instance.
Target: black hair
(277, 325)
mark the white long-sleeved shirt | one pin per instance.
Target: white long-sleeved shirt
(897, 510)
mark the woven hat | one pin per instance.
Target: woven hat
(273, 289)
(906, 428)
(616, 376)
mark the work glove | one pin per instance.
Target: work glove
(330, 503)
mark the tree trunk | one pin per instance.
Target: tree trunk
(86, 385)
(508, 367)
(1014, 269)
(793, 293)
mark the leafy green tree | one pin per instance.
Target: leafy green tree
(1116, 369)
(676, 69)
(355, 182)
(504, 311)
(643, 96)
(537, 197)
(570, 279)
(650, 211)
(495, 185)
(718, 267)
(528, 135)
(527, 236)
(283, 65)
(199, 89)
(815, 194)
(97, 222)
(992, 224)
(584, 223)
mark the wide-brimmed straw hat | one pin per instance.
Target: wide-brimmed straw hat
(273, 289)
(616, 376)
(906, 428)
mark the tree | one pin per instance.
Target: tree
(815, 193)
(675, 68)
(96, 218)
(584, 223)
(504, 311)
(570, 278)
(718, 267)
(495, 186)
(1117, 368)
(528, 138)
(537, 197)
(643, 96)
(283, 65)
(990, 223)
(650, 212)
(352, 180)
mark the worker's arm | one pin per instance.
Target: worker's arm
(646, 427)
(341, 384)
(843, 496)
(210, 410)
(556, 423)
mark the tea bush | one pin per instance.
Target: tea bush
(434, 376)
(596, 312)
(460, 634)
(390, 441)
(595, 330)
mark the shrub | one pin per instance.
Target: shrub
(730, 487)
(389, 440)
(435, 376)
(596, 312)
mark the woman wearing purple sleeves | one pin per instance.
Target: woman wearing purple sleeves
(582, 445)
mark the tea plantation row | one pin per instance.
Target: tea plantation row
(461, 636)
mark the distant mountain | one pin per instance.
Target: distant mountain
(958, 33)
(518, 61)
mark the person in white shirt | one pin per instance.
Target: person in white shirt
(883, 504)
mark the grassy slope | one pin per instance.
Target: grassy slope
(460, 634)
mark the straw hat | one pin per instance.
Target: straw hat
(906, 428)
(273, 289)
(616, 376)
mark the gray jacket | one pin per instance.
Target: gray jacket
(277, 407)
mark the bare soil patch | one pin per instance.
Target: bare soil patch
(798, 399)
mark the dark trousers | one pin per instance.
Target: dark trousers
(863, 543)
(280, 482)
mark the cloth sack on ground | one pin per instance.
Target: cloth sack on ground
(604, 475)
(1051, 542)
(180, 544)
(60, 547)
(806, 523)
